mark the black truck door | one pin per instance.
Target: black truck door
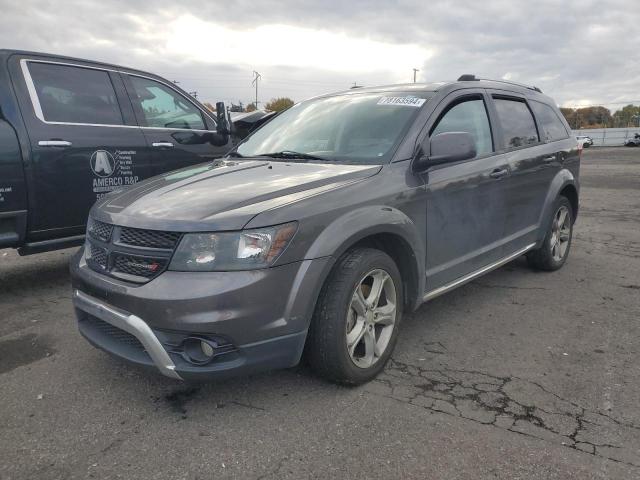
(84, 141)
(178, 132)
(13, 194)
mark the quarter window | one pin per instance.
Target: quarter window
(468, 116)
(75, 94)
(552, 126)
(518, 126)
(163, 107)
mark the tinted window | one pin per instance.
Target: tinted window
(552, 126)
(75, 95)
(163, 107)
(518, 126)
(469, 116)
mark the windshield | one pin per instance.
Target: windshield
(359, 128)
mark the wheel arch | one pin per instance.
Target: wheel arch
(565, 184)
(385, 228)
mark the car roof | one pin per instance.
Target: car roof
(470, 82)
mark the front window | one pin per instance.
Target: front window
(164, 108)
(359, 128)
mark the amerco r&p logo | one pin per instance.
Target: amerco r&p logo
(102, 163)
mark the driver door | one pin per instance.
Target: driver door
(178, 133)
(466, 200)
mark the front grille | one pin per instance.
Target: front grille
(149, 238)
(146, 267)
(131, 254)
(99, 230)
(113, 332)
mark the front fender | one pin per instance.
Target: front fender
(563, 178)
(363, 222)
(359, 224)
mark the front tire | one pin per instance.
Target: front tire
(557, 242)
(355, 324)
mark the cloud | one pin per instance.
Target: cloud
(577, 49)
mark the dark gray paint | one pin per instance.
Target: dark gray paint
(449, 221)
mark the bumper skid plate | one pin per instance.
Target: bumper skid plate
(131, 324)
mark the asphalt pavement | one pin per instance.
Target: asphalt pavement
(517, 375)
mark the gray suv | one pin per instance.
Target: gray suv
(324, 226)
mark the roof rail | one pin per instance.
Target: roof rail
(472, 78)
(530, 87)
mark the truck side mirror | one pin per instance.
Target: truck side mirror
(223, 126)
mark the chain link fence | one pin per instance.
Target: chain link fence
(608, 137)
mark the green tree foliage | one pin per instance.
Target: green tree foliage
(588, 117)
(601, 117)
(251, 107)
(628, 116)
(279, 104)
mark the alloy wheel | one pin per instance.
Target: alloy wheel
(560, 233)
(371, 318)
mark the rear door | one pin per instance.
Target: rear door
(466, 201)
(178, 132)
(84, 141)
(533, 163)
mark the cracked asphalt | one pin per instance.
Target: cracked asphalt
(516, 375)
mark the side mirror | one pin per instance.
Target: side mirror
(446, 148)
(223, 125)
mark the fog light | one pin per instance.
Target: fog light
(199, 351)
(207, 349)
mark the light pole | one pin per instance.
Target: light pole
(415, 70)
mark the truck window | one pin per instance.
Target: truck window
(518, 127)
(74, 94)
(164, 108)
(552, 126)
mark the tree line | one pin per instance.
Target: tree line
(601, 117)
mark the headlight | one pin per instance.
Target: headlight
(246, 250)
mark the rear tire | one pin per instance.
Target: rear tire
(353, 330)
(557, 242)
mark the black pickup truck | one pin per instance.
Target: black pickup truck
(72, 130)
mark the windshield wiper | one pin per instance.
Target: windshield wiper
(233, 153)
(290, 154)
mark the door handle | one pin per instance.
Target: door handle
(162, 144)
(499, 173)
(54, 143)
(550, 158)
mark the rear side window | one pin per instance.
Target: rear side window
(163, 107)
(518, 127)
(75, 94)
(552, 126)
(468, 116)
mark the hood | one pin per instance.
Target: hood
(223, 195)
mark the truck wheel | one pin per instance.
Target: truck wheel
(355, 324)
(557, 242)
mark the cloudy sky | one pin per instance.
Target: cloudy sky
(578, 51)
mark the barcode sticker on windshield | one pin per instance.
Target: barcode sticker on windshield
(406, 101)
